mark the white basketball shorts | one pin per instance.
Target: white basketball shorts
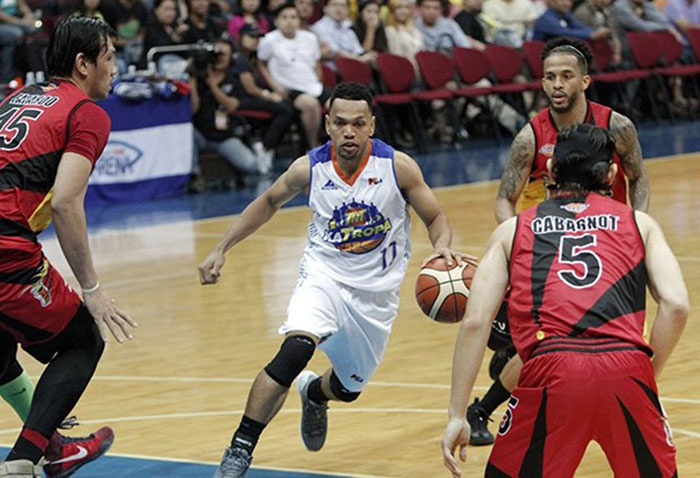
(353, 325)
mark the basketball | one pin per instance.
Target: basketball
(442, 291)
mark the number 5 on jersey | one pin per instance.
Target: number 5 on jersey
(577, 250)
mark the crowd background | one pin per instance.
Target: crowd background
(263, 92)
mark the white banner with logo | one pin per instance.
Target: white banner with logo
(143, 154)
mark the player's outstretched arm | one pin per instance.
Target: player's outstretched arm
(630, 152)
(487, 291)
(68, 213)
(424, 202)
(668, 289)
(257, 213)
(516, 173)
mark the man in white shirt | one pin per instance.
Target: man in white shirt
(516, 16)
(290, 62)
(335, 30)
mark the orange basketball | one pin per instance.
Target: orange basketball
(442, 291)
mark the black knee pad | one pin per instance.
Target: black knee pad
(294, 354)
(340, 392)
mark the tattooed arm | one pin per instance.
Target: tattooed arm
(522, 155)
(630, 152)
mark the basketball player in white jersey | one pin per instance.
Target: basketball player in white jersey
(347, 293)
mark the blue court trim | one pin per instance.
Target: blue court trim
(113, 466)
(148, 189)
(128, 115)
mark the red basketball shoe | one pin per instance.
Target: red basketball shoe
(65, 455)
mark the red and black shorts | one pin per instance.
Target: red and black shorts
(577, 390)
(36, 303)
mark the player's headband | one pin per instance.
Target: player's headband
(573, 50)
(578, 141)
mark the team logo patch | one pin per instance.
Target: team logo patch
(40, 289)
(357, 227)
(575, 207)
(547, 150)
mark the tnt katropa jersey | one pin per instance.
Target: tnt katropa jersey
(577, 270)
(359, 231)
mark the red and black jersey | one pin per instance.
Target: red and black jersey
(577, 270)
(38, 124)
(545, 131)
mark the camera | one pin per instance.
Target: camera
(203, 55)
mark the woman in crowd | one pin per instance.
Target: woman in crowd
(248, 12)
(369, 28)
(163, 28)
(256, 95)
(402, 36)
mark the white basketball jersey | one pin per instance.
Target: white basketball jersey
(359, 234)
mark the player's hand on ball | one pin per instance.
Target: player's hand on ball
(210, 268)
(109, 317)
(449, 255)
(456, 435)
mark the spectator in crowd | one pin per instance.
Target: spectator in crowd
(369, 28)
(439, 32)
(468, 20)
(306, 10)
(163, 28)
(16, 19)
(128, 18)
(89, 8)
(644, 16)
(213, 104)
(248, 12)
(403, 37)
(513, 19)
(683, 14)
(335, 30)
(596, 14)
(256, 95)
(201, 26)
(290, 63)
(557, 21)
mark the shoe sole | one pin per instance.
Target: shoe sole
(104, 448)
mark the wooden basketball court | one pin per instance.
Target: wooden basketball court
(179, 388)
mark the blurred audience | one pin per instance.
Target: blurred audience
(201, 26)
(369, 28)
(596, 14)
(511, 20)
(89, 8)
(290, 63)
(248, 12)
(441, 33)
(16, 20)
(255, 94)
(128, 18)
(335, 30)
(163, 28)
(683, 14)
(403, 37)
(468, 20)
(557, 21)
(213, 104)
